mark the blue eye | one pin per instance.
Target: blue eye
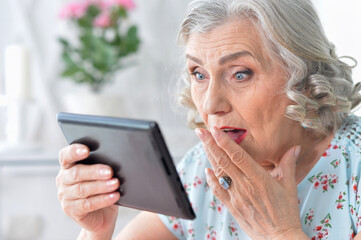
(240, 75)
(199, 75)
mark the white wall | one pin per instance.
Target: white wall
(341, 21)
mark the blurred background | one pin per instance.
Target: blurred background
(39, 76)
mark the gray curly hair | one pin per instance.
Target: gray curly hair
(320, 83)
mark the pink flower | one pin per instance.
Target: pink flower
(102, 20)
(74, 10)
(127, 4)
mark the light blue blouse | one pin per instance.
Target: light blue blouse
(329, 197)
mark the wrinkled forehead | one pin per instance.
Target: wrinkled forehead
(228, 38)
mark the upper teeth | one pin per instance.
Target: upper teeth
(227, 129)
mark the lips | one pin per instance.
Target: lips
(236, 134)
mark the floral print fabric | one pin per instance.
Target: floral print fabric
(329, 196)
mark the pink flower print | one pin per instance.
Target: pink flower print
(191, 231)
(322, 229)
(175, 223)
(102, 20)
(211, 234)
(219, 208)
(352, 209)
(352, 235)
(325, 154)
(309, 217)
(335, 163)
(340, 200)
(358, 222)
(319, 235)
(326, 181)
(354, 182)
(318, 228)
(197, 181)
(187, 187)
(74, 10)
(181, 172)
(233, 231)
(216, 205)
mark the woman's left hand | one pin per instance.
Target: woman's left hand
(265, 207)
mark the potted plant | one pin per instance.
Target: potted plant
(104, 38)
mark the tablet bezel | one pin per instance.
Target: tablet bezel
(151, 131)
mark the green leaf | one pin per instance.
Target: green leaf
(70, 71)
(63, 42)
(93, 11)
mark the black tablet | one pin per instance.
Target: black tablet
(137, 152)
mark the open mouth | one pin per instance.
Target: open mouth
(237, 134)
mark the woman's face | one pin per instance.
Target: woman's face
(236, 85)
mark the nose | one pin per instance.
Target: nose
(215, 100)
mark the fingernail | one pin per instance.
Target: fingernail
(297, 151)
(104, 172)
(112, 195)
(207, 172)
(111, 182)
(215, 132)
(200, 133)
(81, 151)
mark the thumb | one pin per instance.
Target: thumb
(288, 166)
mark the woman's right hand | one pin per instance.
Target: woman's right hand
(87, 192)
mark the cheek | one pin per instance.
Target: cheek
(263, 112)
(196, 98)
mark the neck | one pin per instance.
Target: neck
(310, 154)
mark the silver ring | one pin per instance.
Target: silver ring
(225, 182)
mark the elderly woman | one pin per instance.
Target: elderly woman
(280, 151)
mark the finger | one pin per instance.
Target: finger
(84, 173)
(69, 155)
(288, 166)
(212, 150)
(237, 155)
(217, 190)
(89, 189)
(91, 204)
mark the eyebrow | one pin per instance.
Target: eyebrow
(223, 59)
(234, 56)
(194, 59)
